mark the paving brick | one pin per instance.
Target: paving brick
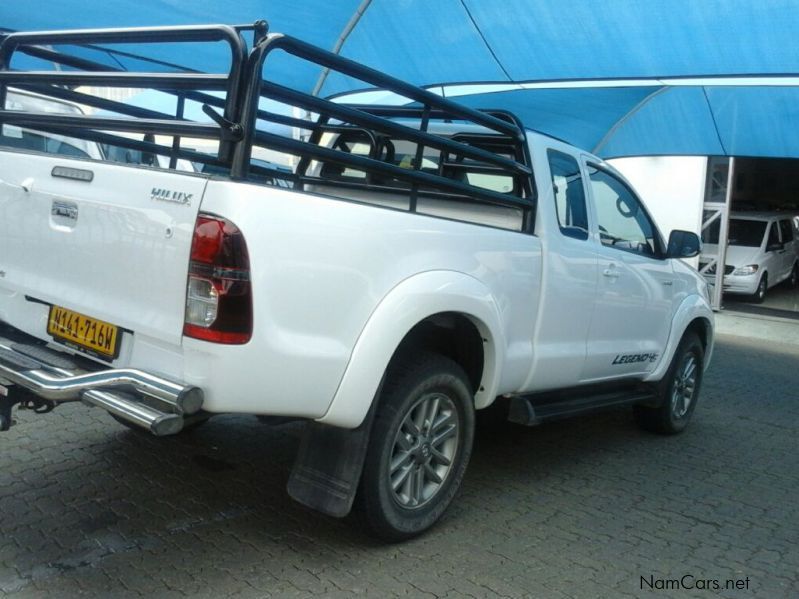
(578, 508)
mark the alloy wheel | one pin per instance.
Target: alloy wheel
(424, 450)
(684, 386)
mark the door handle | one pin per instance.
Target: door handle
(669, 283)
(611, 272)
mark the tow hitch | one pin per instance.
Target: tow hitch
(11, 395)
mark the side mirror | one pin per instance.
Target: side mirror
(683, 244)
(773, 247)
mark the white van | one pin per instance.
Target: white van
(762, 251)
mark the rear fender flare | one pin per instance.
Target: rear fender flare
(407, 304)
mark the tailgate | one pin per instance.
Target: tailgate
(115, 248)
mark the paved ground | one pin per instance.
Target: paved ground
(582, 508)
(780, 297)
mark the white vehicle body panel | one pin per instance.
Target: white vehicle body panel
(691, 308)
(570, 277)
(124, 256)
(301, 244)
(632, 312)
(336, 285)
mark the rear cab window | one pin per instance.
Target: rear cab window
(369, 185)
(402, 153)
(569, 194)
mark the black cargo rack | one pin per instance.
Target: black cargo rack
(232, 102)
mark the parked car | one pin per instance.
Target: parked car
(417, 264)
(762, 251)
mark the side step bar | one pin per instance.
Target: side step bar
(141, 398)
(530, 410)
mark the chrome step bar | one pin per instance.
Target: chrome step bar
(127, 393)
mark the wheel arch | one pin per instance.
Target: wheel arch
(455, 335)
(694, 314)
(703, 329)
(435, 311)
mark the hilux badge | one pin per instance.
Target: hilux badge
(67, 210)
(168, 195)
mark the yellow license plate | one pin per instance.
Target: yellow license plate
(83, 332)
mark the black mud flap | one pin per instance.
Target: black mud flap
(328, 467)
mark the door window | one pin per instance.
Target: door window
(623, 222)
(567, 185)
(787, 231)
(773, 237)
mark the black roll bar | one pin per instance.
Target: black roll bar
(100, 75)
(303, 50)
(141, 125)
(172, 81)
(299, 148)
(432, 106)
(127, 35)
(365, 119)
(236, 127)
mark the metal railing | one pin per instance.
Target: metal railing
(90, 73)
(236, 128)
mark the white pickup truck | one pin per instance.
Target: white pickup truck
(418, 264)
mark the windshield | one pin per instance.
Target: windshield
(743, 233)
(747, 233)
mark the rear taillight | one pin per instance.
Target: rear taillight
(218, 293)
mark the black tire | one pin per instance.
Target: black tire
(494, 418)
(672, 415)
(418, 386)
(762, 288)
(793, 280)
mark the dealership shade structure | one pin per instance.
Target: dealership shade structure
(619, 77)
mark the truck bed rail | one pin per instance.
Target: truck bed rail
(241, 125)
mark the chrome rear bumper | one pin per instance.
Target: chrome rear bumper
(145, 399)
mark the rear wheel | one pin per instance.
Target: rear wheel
(419, 447)
(678, 391)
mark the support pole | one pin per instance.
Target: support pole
(721, 264)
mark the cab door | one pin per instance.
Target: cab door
(570, 271)
(633, 309)
(787, 253)
(774, 260)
